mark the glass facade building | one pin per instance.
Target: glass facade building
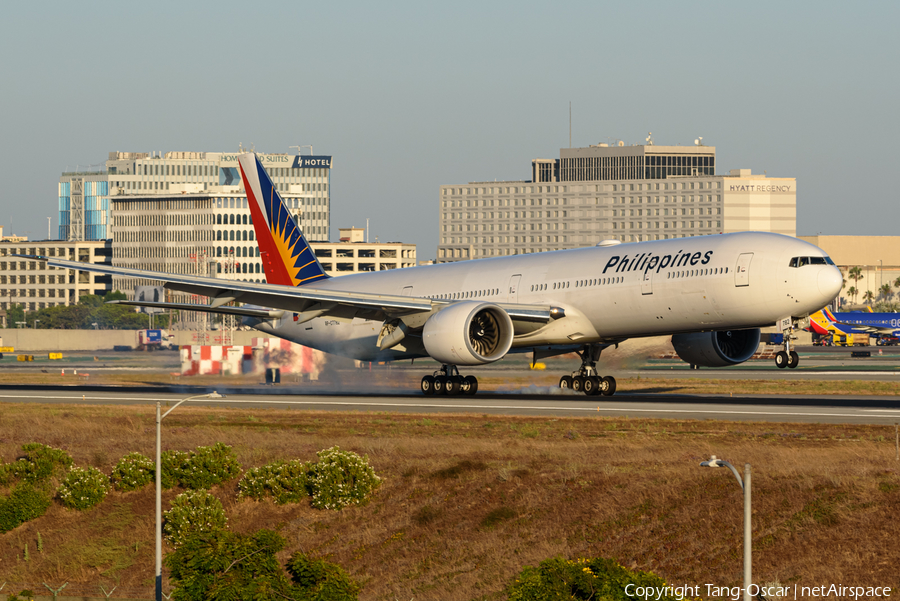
(85, 209)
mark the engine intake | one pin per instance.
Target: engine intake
(717, 349)
(468, 333)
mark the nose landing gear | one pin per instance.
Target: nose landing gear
(586, 379)
(788, 357)
(448, 381)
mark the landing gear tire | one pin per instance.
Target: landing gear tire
(781, 359)
(447, 380)
(793, 359)
(454, 383)
(592, 385)
(586, 379)
(608, 386)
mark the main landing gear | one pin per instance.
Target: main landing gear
(586, 379)
(788, 357)
(448, 381)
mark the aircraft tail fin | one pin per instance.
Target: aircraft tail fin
(824, 322)
(286, 255)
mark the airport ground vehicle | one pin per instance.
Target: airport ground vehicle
(851, 339)
(887, 341)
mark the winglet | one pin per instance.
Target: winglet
(286, 255)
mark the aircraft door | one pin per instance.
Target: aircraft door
(742, 270)
(513, 296)
(647, 282)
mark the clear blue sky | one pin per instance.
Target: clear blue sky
(409, 96)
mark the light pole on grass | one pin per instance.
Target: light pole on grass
(745, 484)
(159, 418)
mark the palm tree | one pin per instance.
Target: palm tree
(852, 291)
(869, 296)
(886, 292)
(855, 274)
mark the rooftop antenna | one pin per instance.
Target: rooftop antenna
(570, 124)
(649, 138)
(306, 146)
(698, 141)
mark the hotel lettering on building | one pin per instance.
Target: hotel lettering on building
(627, 193)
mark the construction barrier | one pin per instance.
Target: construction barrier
(208, 360)
(7, 349)
(263, 354)
(26, 357)
(54, 356)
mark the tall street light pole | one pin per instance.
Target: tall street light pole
(159, 418)
(745, 484)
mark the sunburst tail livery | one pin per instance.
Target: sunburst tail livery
(286, 256)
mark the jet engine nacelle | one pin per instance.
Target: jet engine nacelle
(717, 349)
(468, 333)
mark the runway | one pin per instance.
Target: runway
(532, 402)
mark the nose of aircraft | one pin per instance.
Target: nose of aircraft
(830, 282)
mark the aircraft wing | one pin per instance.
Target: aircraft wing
(308, 302)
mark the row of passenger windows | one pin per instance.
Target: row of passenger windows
(689, 273)
(599, 281)
(579, 283)
(467, 294)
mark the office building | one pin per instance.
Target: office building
(35, 285)
(212, 235)
(85, 197)
(626, 193)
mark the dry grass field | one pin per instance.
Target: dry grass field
(468, 500)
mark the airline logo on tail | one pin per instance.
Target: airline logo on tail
(286, 256)
(824, 322)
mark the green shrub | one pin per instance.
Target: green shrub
(133, 471)
(23, 503)
(39, 463)
(83, 488)
(173, 463)
(193, 512)
(319, 580)
(598, 578)
(341, 478)
(284, 481)
(208, 466)
(201, 468)
(227, 565)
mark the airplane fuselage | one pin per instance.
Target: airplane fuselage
(608, 293)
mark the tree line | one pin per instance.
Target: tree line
(90, 312)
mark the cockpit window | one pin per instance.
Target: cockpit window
(802, 261)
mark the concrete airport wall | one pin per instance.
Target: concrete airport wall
(30, 340)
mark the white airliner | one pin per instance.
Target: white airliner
(712, 294)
